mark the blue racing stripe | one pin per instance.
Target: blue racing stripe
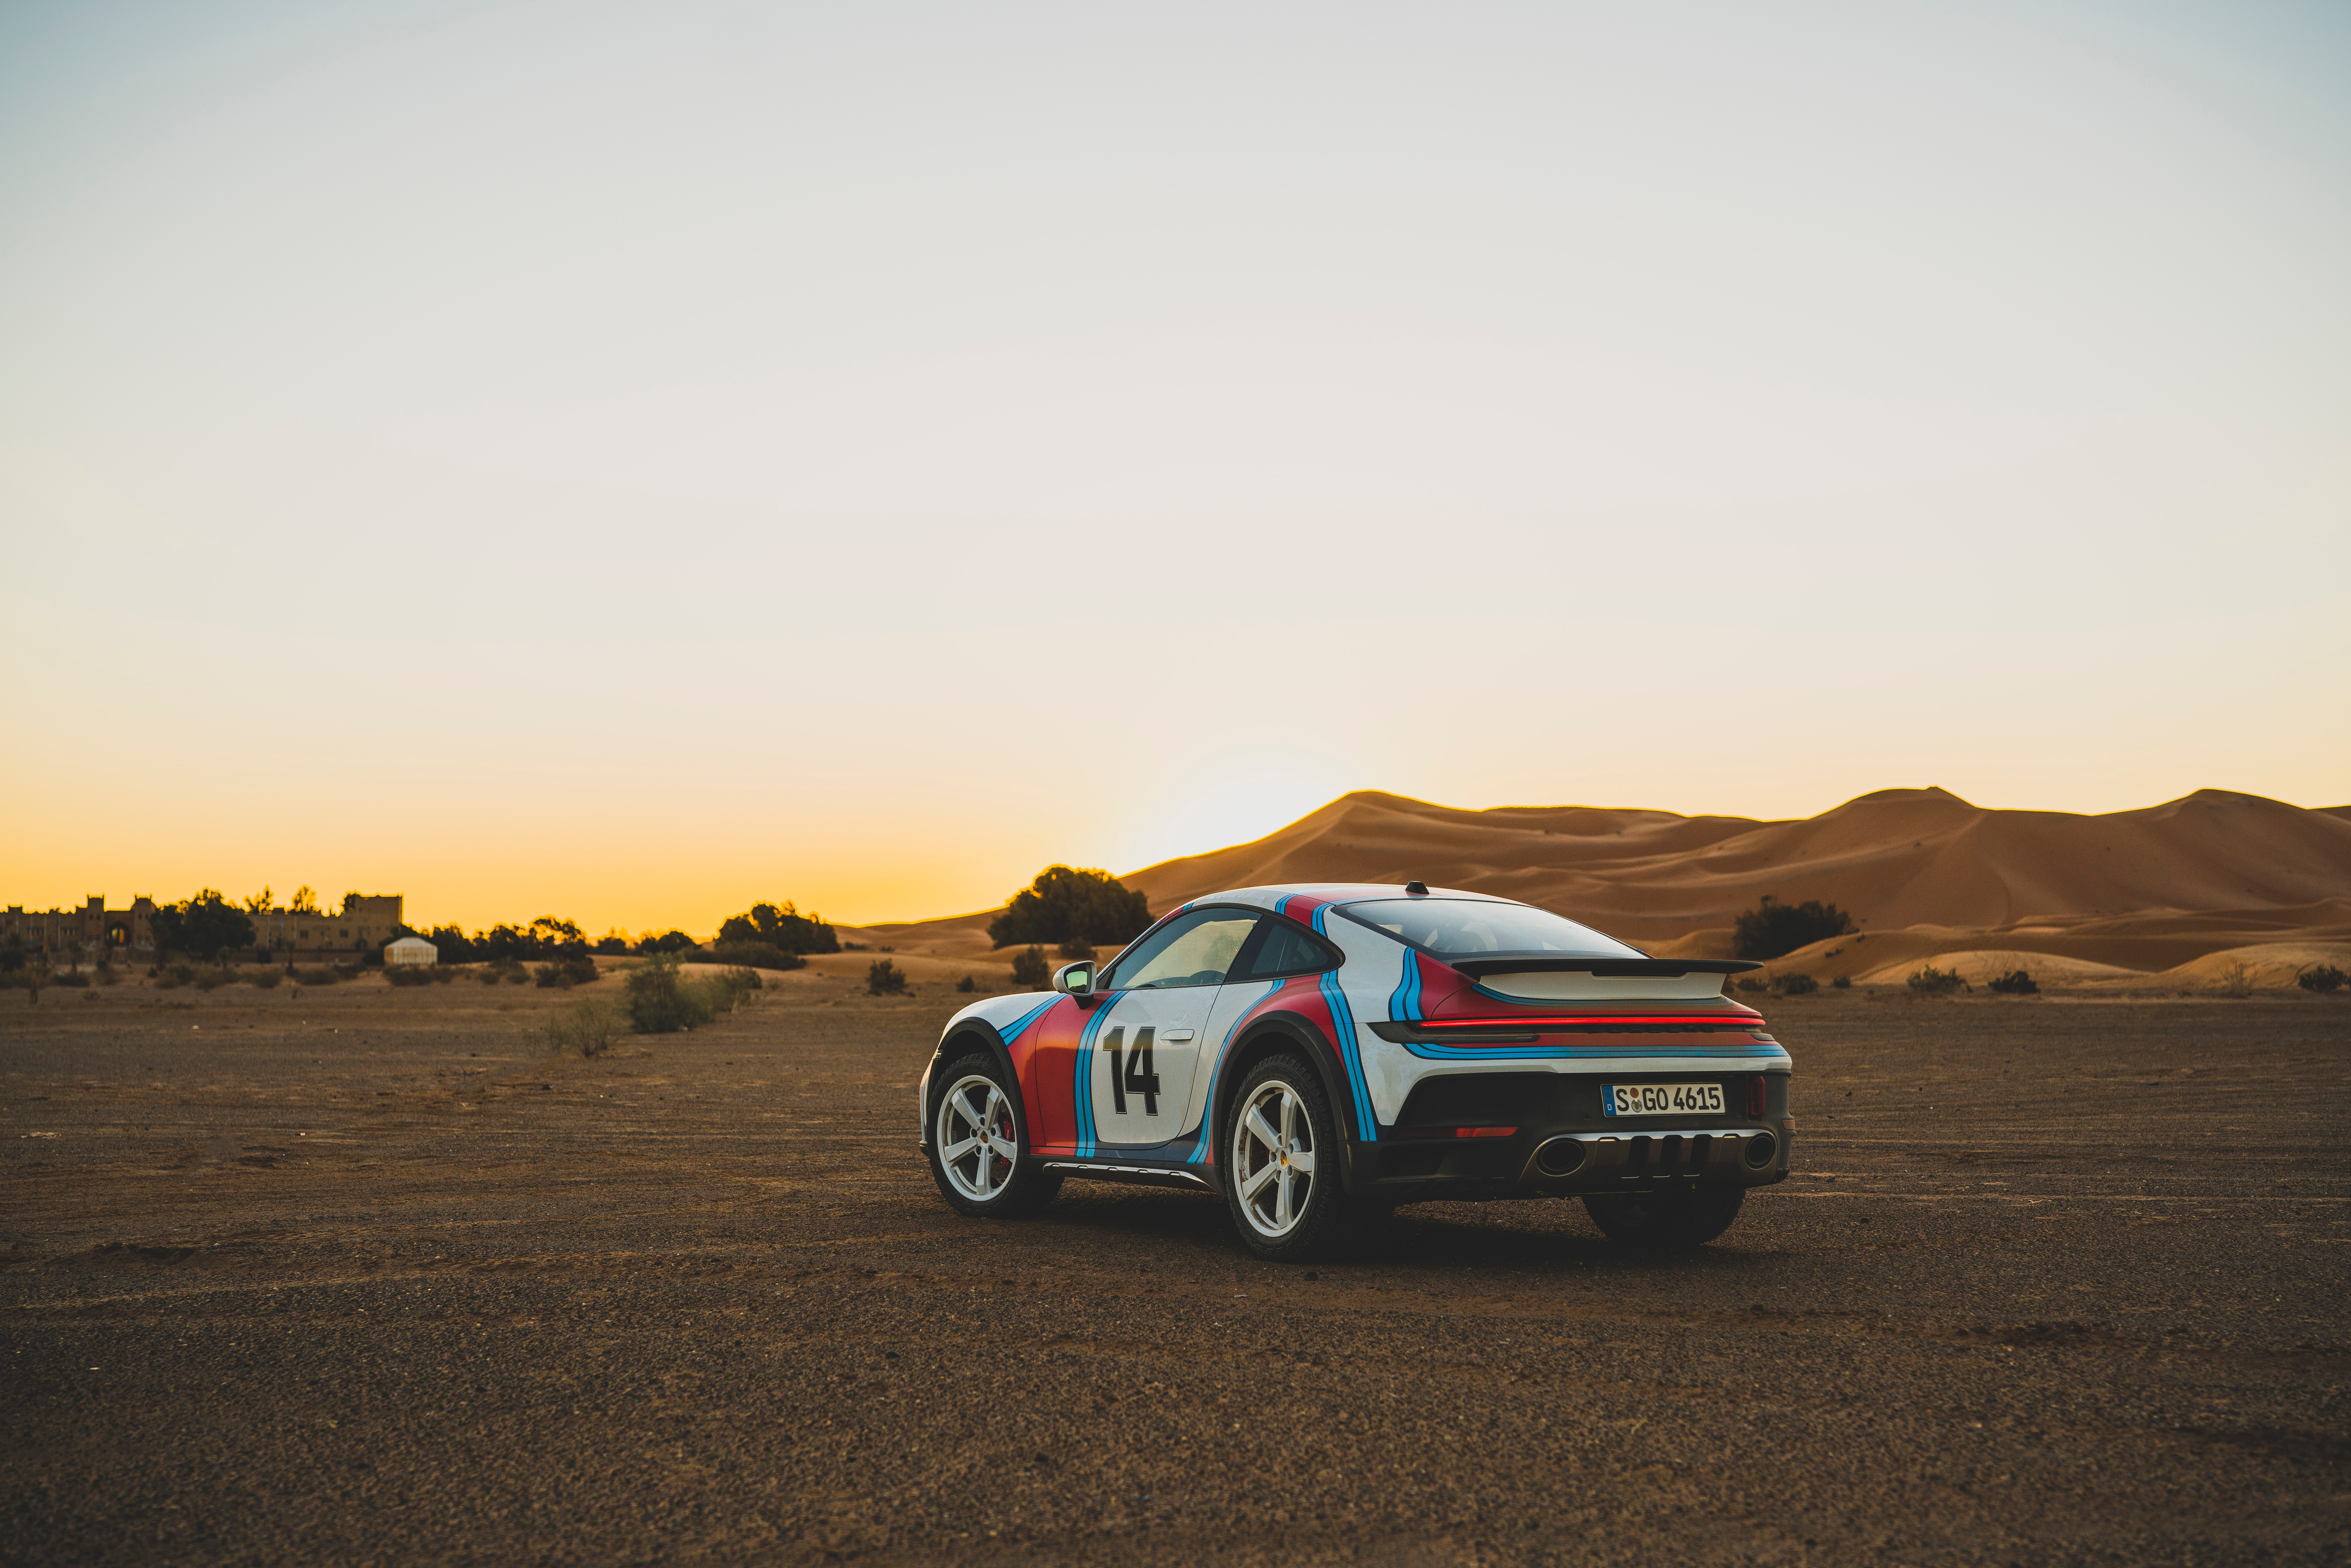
(1014, 1030)
(1404, 1007)
(1081, 1085)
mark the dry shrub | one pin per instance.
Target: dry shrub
(1028, 970)
(1842, 982)
(1797, 984)
(2015, 983)
(1929, 981)
(2235, 980)
(884, 979)
(586, 1026)
(2325, 979)
(265, 979)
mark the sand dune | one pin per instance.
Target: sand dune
(1922, 870)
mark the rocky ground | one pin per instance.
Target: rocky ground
(367, 1275)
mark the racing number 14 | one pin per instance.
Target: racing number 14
(1135, 1075)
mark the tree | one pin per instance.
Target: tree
(349, 899)
(452, 944)
(668, 942)
(1773, 930)
(204, 927)
(781, 926)
(305, 900)
(1029, 969)
(260, 902)
(1067, 905)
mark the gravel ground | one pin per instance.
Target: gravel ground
(366, 1275)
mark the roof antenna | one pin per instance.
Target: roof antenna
(1417, 889)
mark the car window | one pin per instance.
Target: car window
(1193, 949)
(1286, 950)
(1457, 927)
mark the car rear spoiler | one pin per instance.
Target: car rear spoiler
(1607, 968)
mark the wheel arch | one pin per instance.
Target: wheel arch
(1269, 1036)
(970, 1035)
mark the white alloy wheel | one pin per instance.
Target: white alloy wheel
(1274, 1159)
(977, 1139)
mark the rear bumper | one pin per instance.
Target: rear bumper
(1571, 1162)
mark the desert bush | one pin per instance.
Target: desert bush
(1067, 905)
(345, 971)
(662, 998)
(1030, 970)
(1928, 981)
(1798, 985)
(2235, 980)
(409, 974)
(566, 972)
(2324, 979)
(756, 955)
(1842, 982)
(780, 926)
(319, 977)
(586, 1026)
(264, 979)
(1076, 950)
(966, 985)
(1773, 930)
(2015, 983)
(169, 976)
(884, 979)
(72, 980)
(1748, 983)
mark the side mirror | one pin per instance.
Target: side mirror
(1077, 980)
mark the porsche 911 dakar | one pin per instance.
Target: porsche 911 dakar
(1320, 1055)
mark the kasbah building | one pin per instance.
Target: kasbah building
(368, 920)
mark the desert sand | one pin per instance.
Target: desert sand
(2164, 899)
(366, 1276)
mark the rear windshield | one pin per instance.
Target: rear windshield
(1457, 927)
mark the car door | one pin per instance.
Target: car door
(1143, 1044)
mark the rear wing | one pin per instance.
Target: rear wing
(1607, 968)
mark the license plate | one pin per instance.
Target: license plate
(1660, 1099)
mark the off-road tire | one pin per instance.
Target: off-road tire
(1331, 1223)
(1025, 1186)
(1666, 1221)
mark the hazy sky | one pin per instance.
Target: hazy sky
(630, 460)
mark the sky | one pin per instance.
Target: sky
(626, 462)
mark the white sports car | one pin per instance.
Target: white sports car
(1320, 1055)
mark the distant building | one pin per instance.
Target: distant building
(89, 929)
(368, 920)
(411, 950)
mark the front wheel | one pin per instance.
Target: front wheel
(980, 1149)
(1666, 1219)
(1281, 1155)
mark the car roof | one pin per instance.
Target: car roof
(1275, 896)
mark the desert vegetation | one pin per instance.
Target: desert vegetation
(2325, 979)
(780, 926)
(1773, 930)
(884, 979)
(660, 997)
(586, 1026)
(1065, 905)
(1928, 981)
(2015, 983)
(1028, 969)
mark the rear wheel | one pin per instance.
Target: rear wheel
(979, 1148)
(1281, 1155)
(1691, 1217)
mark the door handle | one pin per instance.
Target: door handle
(1174, 1034)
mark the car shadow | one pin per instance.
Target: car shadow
(1530, 1236)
